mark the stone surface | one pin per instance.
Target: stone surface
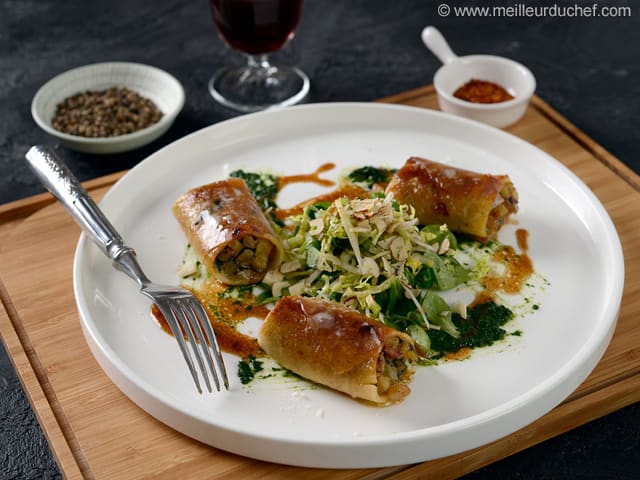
(356, 50)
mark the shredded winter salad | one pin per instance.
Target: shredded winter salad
(371, 255)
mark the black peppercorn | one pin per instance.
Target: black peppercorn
(105, 113)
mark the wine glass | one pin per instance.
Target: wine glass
(257, 28)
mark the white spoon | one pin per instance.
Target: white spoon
(435, 42)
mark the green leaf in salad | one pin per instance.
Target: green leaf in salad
(448, 272)
(425, 278)
(439, 313)
(391, 297)
(436, 234)
(420, 336)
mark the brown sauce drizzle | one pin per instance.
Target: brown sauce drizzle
(522, 237)
(225, 314)
(347, 190)
(461, 354)
(518, 266)
(308, 177)
(483, 296)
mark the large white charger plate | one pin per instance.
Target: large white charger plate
(454, 406)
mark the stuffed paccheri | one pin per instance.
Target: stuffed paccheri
(371, 255)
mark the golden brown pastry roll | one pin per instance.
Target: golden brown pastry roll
(336, 346)
(229, 232)
(468, 202)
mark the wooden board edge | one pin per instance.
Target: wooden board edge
(409, 95)
(22, 208)
(39, 392)
(563, 418)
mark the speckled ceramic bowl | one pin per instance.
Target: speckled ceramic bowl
(150, 82)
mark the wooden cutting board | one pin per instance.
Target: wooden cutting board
(97, 432)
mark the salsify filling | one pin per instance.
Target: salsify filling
(506, 203)
(247, 257)
(395, 367)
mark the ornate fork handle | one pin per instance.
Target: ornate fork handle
(59, 180)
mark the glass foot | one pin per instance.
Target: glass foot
(259, 86)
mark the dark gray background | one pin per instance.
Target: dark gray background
(353, 50)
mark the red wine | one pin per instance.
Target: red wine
(256, 26)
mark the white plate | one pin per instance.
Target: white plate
(454, 406)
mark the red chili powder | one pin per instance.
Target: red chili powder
(481, 91)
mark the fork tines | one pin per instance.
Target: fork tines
(186, 316)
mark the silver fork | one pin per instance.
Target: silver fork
(179, 307)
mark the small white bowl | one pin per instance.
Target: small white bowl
(150, 82)
(456, 71)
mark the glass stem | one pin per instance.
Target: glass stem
(260, 65)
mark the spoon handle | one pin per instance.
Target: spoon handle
(435, 42)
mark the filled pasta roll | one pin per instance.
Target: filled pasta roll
(336, 346)
(473, 203)
(229, 232)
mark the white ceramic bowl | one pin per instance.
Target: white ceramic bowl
(150, 82)
(456, 71)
